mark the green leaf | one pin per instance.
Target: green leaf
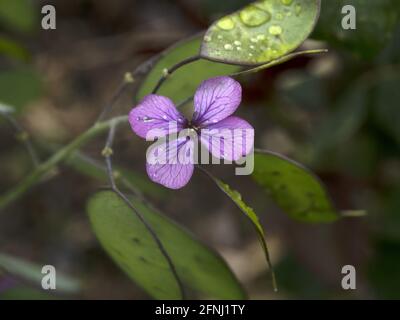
(131, 246)
(32, 273)
(295, 189)
(19, 87)
(18, 14)
(183, 82)
(261, 32)
(236, 197)
(376, 22)
(13, 49)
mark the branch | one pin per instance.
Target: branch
(170, 71)
(107, 153)
(55, 159)
(22, 136)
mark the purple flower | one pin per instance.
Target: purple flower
(170, 162)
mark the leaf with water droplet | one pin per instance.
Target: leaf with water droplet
(130, 244)
(266, 31)
(183, 83)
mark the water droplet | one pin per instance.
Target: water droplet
(207, 38)
(164, 117)
(297, 9)
(252, 47)
(145, 119)
(239, 48)
(237, 43)
(287, 2)
(226, 24)
(261, 37)
(254, 40)
(228, 47)
(220, 37)
(253, 16)
(275, 30)
(250, 54)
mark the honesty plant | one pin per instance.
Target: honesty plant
(156, 253)
(171, 161)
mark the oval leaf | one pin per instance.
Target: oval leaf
(129, 243)
(183, 83)
(295, 189)
(261, 32)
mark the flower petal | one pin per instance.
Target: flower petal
(156, 116)
(216, 99)
(171, 163)
(230, 139)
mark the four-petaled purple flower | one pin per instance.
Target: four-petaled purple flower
(171, 161)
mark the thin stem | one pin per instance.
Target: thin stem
(170, 71)
(55, 159)
(107, 153)
(128, 79)
(23, 136)
(260, 231)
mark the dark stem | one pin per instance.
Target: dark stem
(23, 137)
(128, 79)
(107, 153)
(171, 70)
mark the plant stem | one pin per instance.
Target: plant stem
(171, 70)
(24, 137)
(107, 153)
(55, 159)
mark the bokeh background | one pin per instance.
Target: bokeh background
(337, 113)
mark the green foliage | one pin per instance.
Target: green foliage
(236, 197)
(295, 189)
(184, 82)
(20, 15)
(129, 178)
(376, 22)
(32, 273)
(19, 87)
(261, 32)
(13, 49)
(132, 247)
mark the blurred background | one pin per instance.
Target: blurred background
(337, 113)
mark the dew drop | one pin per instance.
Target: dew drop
(164, 117)
(237, 43)
(228, 47)
(145, 119)
(297, 9)
(253, 16)
(287, 2)
(207, 39)
(250, 54)
(239, 48)
(226, 24)
(252, 47)
(254, 40)
(220, 37)
(275, 30)
(260, 37)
